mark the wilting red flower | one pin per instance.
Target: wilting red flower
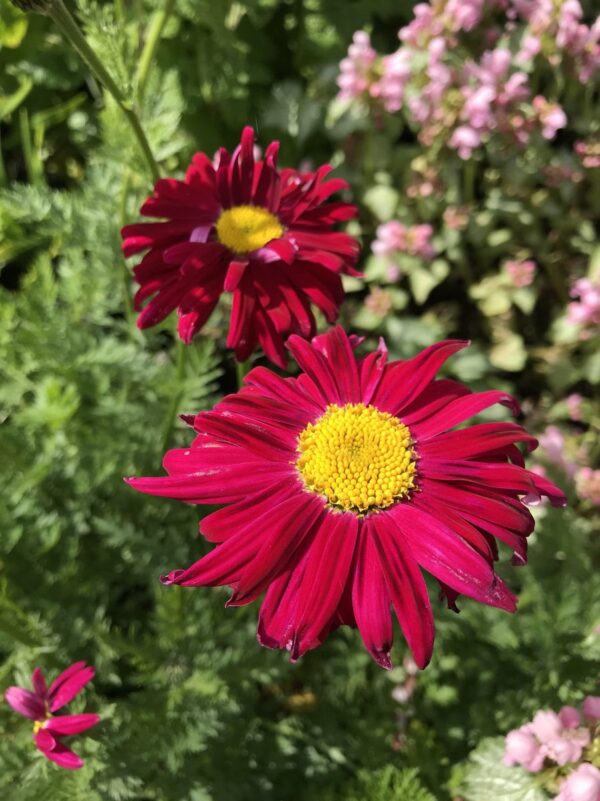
(245, 227)
(342, 484)
(41, 704)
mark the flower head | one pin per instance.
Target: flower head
(40, 705)
(581, 785)
(342, 485)
(246, 228)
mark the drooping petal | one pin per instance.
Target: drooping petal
(56, 751)
(447, 557)
(407, 590)
(327, 568)
(25, 703)
(371, 599)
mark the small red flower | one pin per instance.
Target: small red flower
(41, 704)
(245, 227)
(341, 485)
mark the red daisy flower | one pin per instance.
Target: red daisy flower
(41, 705)
(264, 235)
(341, 485)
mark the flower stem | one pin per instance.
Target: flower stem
(180, 360)
(241, 368)
(129, 312)
(32, 168)
(155, 29)
(67, 24)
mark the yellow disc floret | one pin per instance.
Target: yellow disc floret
(247, 228)
(359, 458)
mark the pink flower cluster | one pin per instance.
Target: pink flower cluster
(364, 74)
(393, 237)
(589, 153)
(465, 106)
(559, 739)
(559, 27)
(584, 311)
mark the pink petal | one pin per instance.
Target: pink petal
(372, 368)
(225, 563)
(57, 752)
(25, 703)
(280, 538)
(447, 557)
(461, 409)
(407, 589)
(371, 599)
(338, 351)
(404, 381)
(71, 724)
(69, 684)
(327, 568)
(222, 524)
(477, 440)
(316, 367)
(39, 683)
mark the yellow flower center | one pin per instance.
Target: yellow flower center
(247, 228)
(359, 458)
(38, 726)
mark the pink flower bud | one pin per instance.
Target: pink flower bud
(569, 717)
(591, 708)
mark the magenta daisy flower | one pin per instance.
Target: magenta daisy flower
(342, 485)
(41, 704)
(247, 228)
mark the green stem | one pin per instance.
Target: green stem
(67, 24)
(3, 175)
(241, 368)
(180, 360)
(155, 29)
(31, 168)
(129, 312)
(469, 167)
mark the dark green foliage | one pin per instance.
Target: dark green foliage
(193, 709)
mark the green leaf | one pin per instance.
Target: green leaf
(488, 779)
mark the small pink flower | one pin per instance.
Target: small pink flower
(585, 310)
(521, 273)
(355, 75)
(569, 717)
(393, 237)
(551, 116)
(574, 402)
(591, 708)
(582, 785)
(587, 483)
(465, 140)
(522, 748)
(530, 47)
(41, 704)
(396, 73)
(546, 725)
(567, 747)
